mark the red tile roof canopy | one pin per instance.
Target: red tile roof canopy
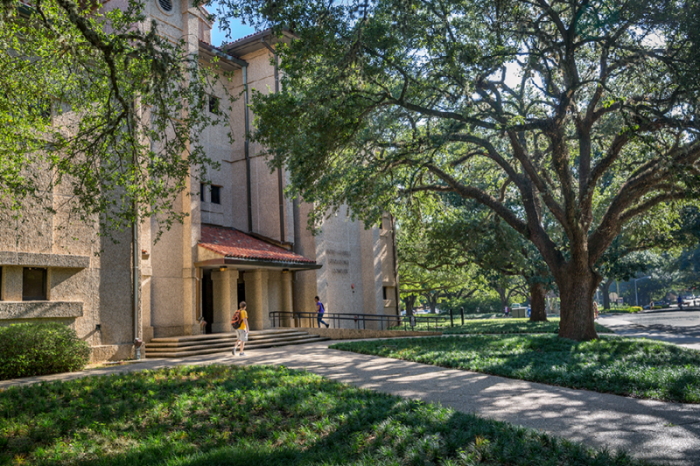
(233, 243)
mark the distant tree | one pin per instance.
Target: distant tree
(389, 99)
(629, 256)
(623, 268)
(461, 232)
(423, 276)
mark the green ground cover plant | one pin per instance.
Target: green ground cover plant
(625, 310)
(500, 325)
(256, 415)
(30, 349)
(633, 367)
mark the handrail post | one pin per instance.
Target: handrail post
(452, 321)
(461, 311)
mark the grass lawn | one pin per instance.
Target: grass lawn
(253, 416)
(633, 367)
(502, 325)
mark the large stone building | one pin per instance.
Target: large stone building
(241, 239)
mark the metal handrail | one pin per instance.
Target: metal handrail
(361, 320)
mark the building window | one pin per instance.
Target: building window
(201, 192)
(216, 194)
(33, 284)
(214, 104)
(384, 291)
(166, 5)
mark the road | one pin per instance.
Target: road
(680, 327)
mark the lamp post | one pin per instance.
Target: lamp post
(636, 298)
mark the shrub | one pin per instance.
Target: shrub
(40, 349)
(624, 309)
(485, 304)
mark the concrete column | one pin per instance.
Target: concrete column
(225, 299)
(256, 297)
(287, 299)
(189, 204)
(12, 283)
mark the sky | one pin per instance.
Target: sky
(238, 30)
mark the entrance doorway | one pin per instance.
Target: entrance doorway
(241, 291)
(207, 300)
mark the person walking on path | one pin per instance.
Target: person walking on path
(595, 310)
(680, 302)
(320, 310)
(240, 325)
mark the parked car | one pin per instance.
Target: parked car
(688, 300)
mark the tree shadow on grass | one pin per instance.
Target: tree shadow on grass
(222, 415)
(666, 432)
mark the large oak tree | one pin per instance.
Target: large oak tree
(582, 111)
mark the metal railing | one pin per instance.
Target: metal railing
(360, 320)
(334, 319)
(439, 321)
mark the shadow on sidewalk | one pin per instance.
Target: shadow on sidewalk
(654, 430)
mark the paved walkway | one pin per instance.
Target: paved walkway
(679, 335)
(666, 433)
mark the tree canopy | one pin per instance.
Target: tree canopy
(573, 121)
(423, 274)
(98, 102)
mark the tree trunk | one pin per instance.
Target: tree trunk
(577, 287)
(606, 293)
(410, 301)
(433, 303)
(504, 299)
(538, 311)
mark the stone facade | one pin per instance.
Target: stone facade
(186, 288)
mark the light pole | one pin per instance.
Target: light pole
(636, 298)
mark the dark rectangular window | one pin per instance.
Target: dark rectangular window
(214, 104)
(33, 284)
(384, 291)
(201, 192)
(216, 194)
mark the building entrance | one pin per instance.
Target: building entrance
(241, 291)
(207, 300)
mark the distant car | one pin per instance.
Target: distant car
(422, 311)
(688, 300)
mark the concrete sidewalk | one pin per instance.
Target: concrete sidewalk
(666, 433)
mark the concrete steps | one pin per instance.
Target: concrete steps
(196, 345)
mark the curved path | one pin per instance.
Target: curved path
(665, 433)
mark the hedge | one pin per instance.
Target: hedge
(30, 349)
